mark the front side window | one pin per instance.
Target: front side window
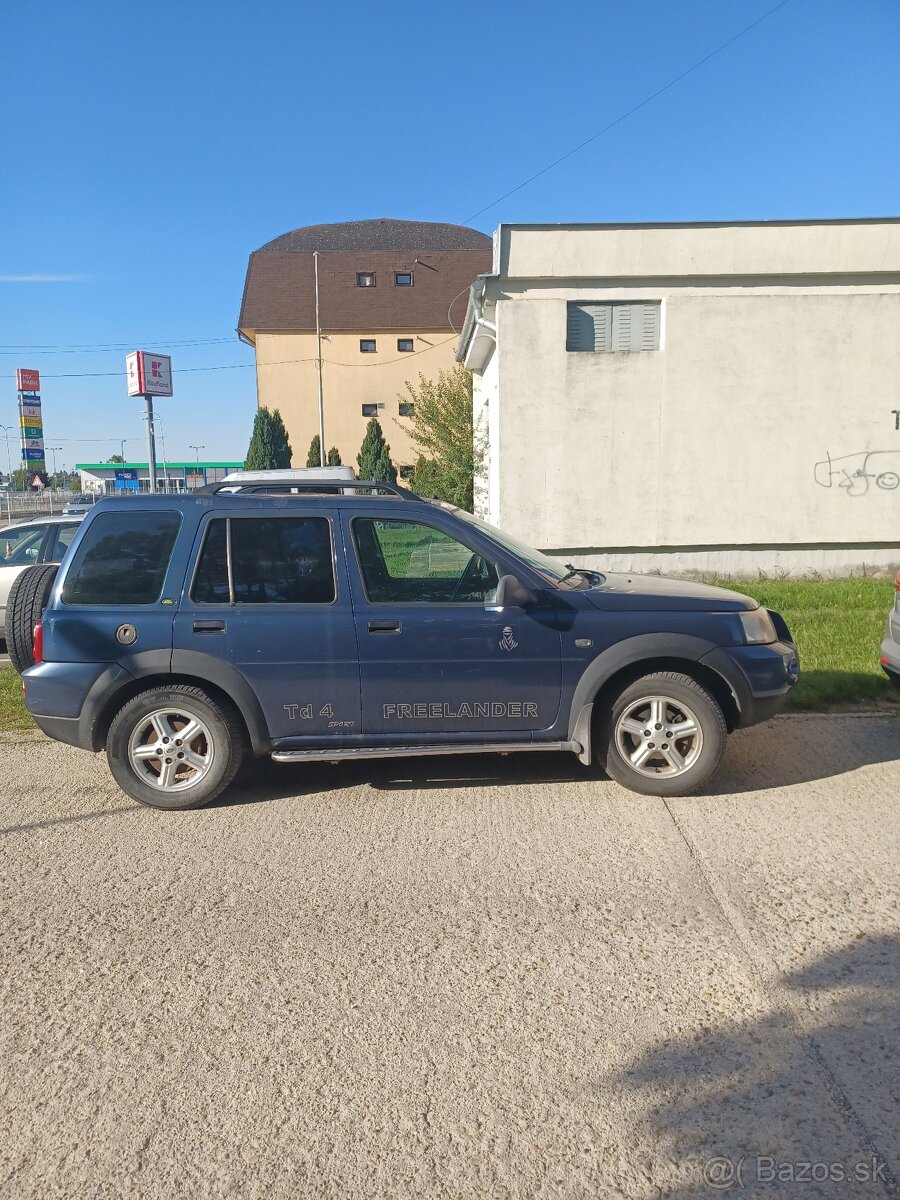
(122, 559)
(22, 546)
(274, 560)
(408, 562)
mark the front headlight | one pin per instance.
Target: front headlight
(758, 627)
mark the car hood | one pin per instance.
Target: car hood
(656, 592)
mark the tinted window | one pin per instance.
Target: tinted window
(409, 562)
(211, 579)
(122, 559)
(274, 560)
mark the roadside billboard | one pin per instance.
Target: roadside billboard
(27, 381)
(148, 374)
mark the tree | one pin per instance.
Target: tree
(269, 447)
(115, 458)
(441, 426)
(333, 459)
(374, 458)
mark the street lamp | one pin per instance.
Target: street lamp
(197, 449)
(53, 450)
(158, 420)
(6, 429)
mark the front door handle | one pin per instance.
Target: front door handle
(384, 627)
(208, 627)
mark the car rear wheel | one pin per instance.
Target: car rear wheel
(28, 598)
(174, 747)
(664, 735)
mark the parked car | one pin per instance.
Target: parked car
(42, 540)
(325, 480)
(184, 632)
(890, 647)
(80, 505)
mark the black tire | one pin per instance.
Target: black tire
(28, 598)
(221, 742)
(700, 752)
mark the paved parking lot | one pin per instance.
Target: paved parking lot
(456, 978)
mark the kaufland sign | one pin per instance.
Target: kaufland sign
(148, 374)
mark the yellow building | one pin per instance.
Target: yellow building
(392, 298)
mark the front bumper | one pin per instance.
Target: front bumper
(761, 677)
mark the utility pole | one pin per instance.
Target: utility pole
(319, 365)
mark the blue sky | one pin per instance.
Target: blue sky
(143, 160)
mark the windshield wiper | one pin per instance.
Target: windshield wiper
(594, 578)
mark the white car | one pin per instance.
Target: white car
(43, 539)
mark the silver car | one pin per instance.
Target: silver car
(41, 540)
(890, 647)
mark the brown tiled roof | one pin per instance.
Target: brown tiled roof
(383, 233)
(279, 293)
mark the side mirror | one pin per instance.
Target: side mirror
(511, 593)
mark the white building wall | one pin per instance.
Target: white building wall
(762, 434)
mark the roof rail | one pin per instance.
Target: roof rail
(328, 486)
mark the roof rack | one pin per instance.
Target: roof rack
(327, 486)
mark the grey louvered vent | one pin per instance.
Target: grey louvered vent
(613, 326)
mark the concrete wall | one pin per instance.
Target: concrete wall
(761, 435)
(287, 379)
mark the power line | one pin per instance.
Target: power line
(106, 347)
(618, 121)
(245, 366)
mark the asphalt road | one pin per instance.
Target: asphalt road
(456, 978)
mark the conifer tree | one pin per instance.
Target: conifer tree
(313, 458)
(269, 447)
(374, 458)
(334, 457)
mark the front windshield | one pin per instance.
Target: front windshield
(550, 569)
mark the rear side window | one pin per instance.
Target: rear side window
(274, 560)
(122, 559)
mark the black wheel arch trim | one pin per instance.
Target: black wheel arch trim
(164, 666)
(645, 648)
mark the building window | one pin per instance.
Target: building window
(405, 345)
(407, 410)
(371, 410)
(365, 278)
(618, 325)
(403, 279)
(367, 345)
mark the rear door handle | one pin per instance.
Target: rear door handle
(384, 627)
(209, 627)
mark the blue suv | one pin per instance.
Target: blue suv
(182, 634)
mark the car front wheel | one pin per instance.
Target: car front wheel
(174, 747)
(664, 735)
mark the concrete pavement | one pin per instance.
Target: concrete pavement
(498, 977)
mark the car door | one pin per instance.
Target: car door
(266, 597)
(435, 657)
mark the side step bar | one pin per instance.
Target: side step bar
(297, 756)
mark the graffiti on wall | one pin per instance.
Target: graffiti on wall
(860, 473)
